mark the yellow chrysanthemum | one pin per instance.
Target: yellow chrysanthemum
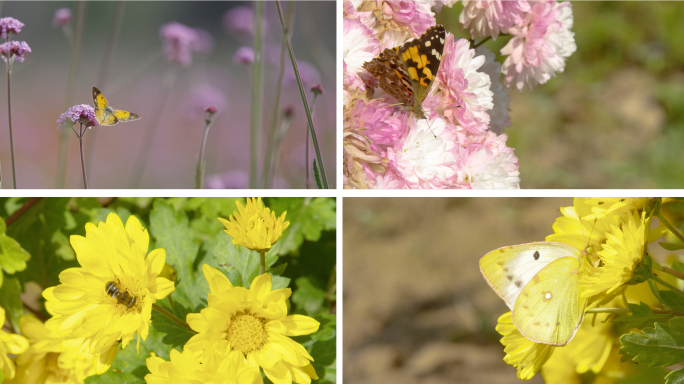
(255, 323)
(622, 252)
(93, 321)
(522, 353)
(9, 343)
(254, 226)
(186, 368)
(46, 361)
(604, 206)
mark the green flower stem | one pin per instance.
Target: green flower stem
(114, 31)
(672, 272)
(9, 116)
(172, 317)
(670, 227)
(24, 208)
(284, 128)
(71, 87)
(668, 285)
(306, 146)
(170, 300)
(199, 177)
(262, 268)
(83, 166)
(481, 42)
(276, 109)
(257, 92)
(321, 167)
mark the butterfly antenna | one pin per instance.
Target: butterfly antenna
(428, 123)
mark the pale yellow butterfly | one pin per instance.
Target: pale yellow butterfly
(107, 115)
(540, 283)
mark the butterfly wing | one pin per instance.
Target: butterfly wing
(549, 309)
(422, 58)
(125, 115)
(99, 101)
(509, 269)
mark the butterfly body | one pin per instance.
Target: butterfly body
(105, 114)
(408, 71)
(540, 284)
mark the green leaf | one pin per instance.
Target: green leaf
(671, 246)
(678, 266)
(661, 346)
(172, 232)
(11, 302)
(176, 336)
(12, 256)
(642, 316)
(277, 271)
(239, 263)
(308, 218)
(308, 296)
(672, 300)
(675, 377)
(654, 289)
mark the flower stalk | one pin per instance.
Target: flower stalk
(208, 121)
(262, 265)
(669, 226)
(667, 285)
(257, 92)
(9, 115)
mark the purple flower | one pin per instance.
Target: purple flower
(199, 97)
(240, 20)
(307, 72)
(317, 89)
(236, 179)
(62, 17)
(204, 43)
(83, 113)
(179, 41)
(15, 48)
(244, 55)
(10, 25)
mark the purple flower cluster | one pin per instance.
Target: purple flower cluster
(62, 17)
(10, 25)
(83, 113)
(244, 55)
(14, 48)
(179, 42)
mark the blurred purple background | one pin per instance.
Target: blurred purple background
(135, 82)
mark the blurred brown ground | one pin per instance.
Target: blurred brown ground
(416, 308)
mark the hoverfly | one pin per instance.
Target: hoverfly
(122, 296)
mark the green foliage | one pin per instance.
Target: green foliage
(36, 247)
(658, 346)
(642, 316)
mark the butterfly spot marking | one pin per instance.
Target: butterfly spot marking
(428, 43)
(518, 283)
(536, 255)
(547, 296)
(537, 323)
(536, 278)
(510, 277)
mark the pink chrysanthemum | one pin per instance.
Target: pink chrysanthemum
(398, 20)
(359, 45)
(488, 164)
(10, 26)
(179, 41)
(62, 17)
(15, 50)
(491, 17)
(540, 45)
(83, 114)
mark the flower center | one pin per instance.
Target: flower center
(246, 333)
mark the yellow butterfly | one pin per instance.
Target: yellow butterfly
(107, 115)
(540, 283)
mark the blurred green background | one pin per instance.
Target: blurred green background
(615, 117)
(136, 72)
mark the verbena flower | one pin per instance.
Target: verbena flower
(10, 26)
(254, 226)
(62, 17)
(46, 360)
(83, 114)
(15, 50)
(491, 17)
(235, 179)
(10, 343)
(244, 56)
(522, 353)
(241, 20)
(540, 45)
(91, 320)
(179, 41)
(186, 368)
(202, 96)
(253, 322)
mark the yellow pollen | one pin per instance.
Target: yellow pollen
(246, 333)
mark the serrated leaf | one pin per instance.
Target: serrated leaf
(12, 256)
(675, 377)
(671, 246)
(642, 316)
(233, 258)
(10, 300)
(175, 335)
(172, 232)
(661, 346)
(672, 300)
(308, 218)
(308, 296)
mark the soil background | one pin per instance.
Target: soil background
(416, 307)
